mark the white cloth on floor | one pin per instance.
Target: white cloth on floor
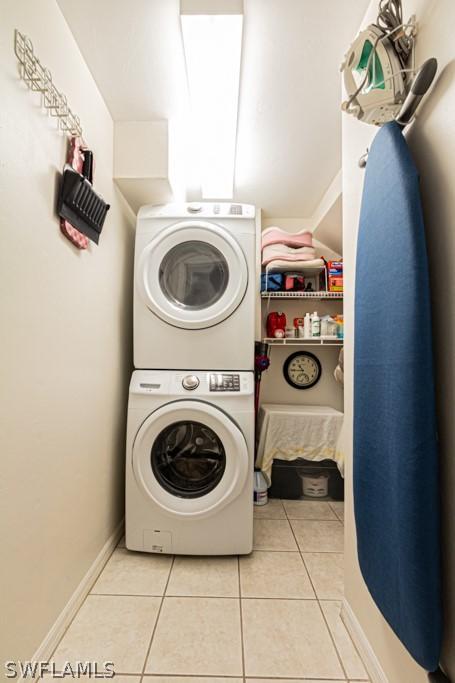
(289, 432)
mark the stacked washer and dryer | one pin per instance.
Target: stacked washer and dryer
(190, 435)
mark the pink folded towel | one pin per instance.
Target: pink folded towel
(285, 253)
(275, 235)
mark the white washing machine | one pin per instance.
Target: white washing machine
(196, 287)
(189, 462)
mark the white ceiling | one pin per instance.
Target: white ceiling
(289, 130)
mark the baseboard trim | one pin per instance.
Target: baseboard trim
(50, 642)
(363, 645)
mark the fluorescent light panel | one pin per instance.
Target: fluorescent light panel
(213, 45)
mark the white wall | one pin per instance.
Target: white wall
(432, 143)
(66, 331)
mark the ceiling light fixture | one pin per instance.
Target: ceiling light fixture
(213, 46)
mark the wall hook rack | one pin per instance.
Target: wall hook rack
(420, 85)
(39, 78)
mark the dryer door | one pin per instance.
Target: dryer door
(190, 458)
(192, 275)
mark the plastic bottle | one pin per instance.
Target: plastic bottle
(324, 325)
(340, 326)
(260, 496)
(328, 327)
(307, 326)
(315, 325)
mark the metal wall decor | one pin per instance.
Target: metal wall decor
(39, 79)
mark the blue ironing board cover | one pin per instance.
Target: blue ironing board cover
(396, 487)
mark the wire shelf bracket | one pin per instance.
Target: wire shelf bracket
(39, 79)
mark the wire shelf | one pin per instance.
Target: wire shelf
(302, 295)
(39, 79)
(299, 341)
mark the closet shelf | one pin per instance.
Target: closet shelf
(298, 341)
(302, 295)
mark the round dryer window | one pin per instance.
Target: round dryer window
(192, 275)
(188, 459)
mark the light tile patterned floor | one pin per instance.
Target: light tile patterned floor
(273, 614)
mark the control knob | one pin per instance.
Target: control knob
(190, 382)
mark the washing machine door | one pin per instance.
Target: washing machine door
(190, 458)
(192, 275)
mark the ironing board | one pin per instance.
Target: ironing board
(396, 492)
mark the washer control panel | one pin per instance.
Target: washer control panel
(192, 383)
(223, 382)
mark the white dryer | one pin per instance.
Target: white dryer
(196, 287)
(189, 462)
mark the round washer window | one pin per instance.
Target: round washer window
(194, 275)
(188, 459)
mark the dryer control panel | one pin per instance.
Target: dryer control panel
(200, 210)
(224, 382)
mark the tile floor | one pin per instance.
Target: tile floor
(274, 614)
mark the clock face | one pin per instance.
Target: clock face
(302, 370)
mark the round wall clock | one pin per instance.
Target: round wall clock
(302, 370)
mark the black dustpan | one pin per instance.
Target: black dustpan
(80, 205)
